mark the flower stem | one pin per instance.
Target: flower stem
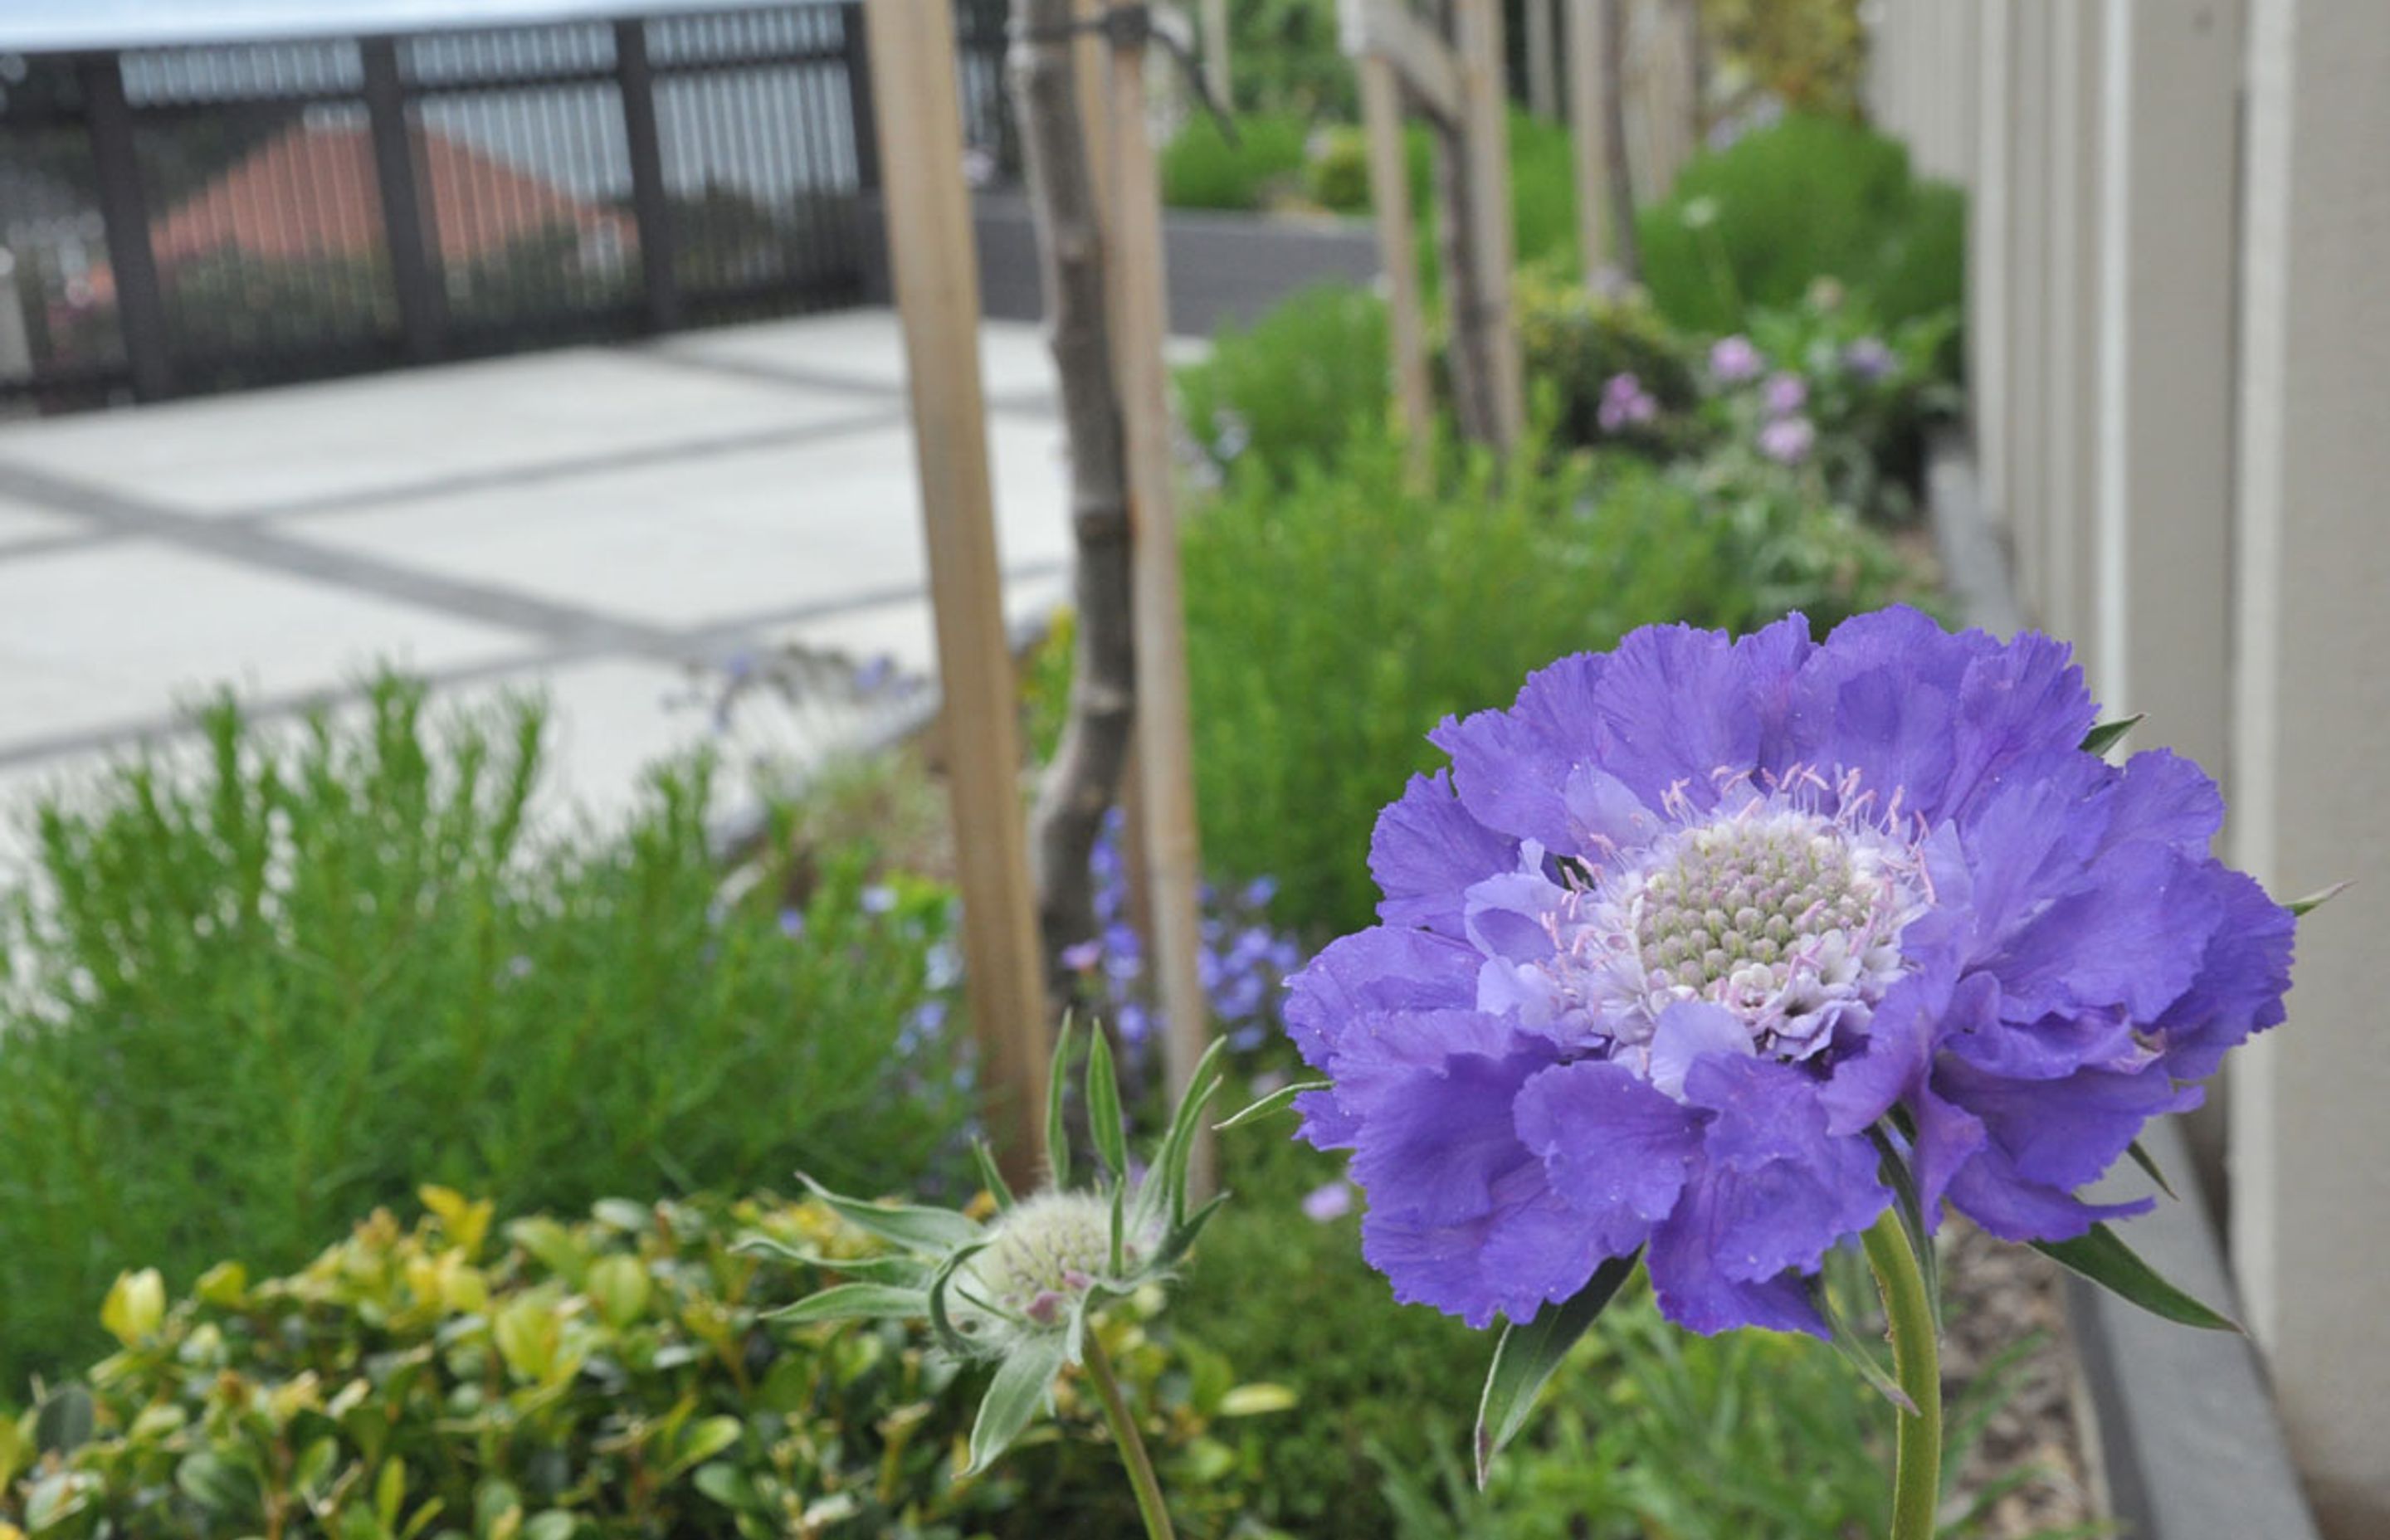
(1132, 1447)
(1916, 1360)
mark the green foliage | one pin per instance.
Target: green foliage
(613, 1379)
(1333, 620)
(249, 1002)
(1201, 170)
(1338, 176)
(1810, 55)
(1286, 57)
(1811, 198)
(1291, 386)
(1572, 341)
(1649, 1430)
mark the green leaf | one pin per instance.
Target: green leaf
(1104, 1105)
(1527, 1354)
(1163, 1200)
(905, 1224)
(2316, 900)
(703, 1440)
(940, 1320)
(991, 1176)
(1058, 1129)
(2103, 1258)
(854, 1301)
(903, 1271)
(1181, 1238)
(2107, 734)
(729, 1485)
(1013, 1397)
(1283, 1097)
(2149, 1162)
(64, 1423)
(1854, 1351)
(223, 1490)
(620, 1286)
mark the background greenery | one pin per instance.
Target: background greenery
(245, 1006)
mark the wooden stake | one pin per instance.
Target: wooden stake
(931, 249)
(1390, 196)
(1165, 745)
(1479, 25)
(1590, 132)
(1216, 53)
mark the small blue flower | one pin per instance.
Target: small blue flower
(1329, 1201)
(793, 922)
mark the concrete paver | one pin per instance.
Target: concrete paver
(267, 450)
(613, 526)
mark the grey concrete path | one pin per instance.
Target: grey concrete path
(617, 526)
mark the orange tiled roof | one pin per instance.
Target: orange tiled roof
(311, 191)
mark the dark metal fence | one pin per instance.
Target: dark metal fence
(209, 216)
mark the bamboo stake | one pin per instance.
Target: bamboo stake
(1166, 749)
(1390, 196)
(1216, 53)
(930, 250)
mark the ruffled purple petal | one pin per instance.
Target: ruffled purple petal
(2243, 976)
(1426, 849)
(1689, 1032)
(2062, 1133)
(1510, 767)
(1376, 969)
(1676, 705)
(1880, 698)
(1440, 1157)
(1616, 1150)
(1773, 1192)
(2016, 700)
(1988, 1191)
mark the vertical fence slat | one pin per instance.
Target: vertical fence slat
(413, 270)
(132, 264)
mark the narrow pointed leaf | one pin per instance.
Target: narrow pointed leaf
(2148, 1163)
(2316, 900)
(941, 1319)
(1058, 1129)
(905, 1224)
(1854, 1349)
(854, 1301)
(1104, 1106)
(1163, 1200)
(990, 1175)
(2107, 734)
(1894, 1167)
(1120, 1228)
(1528, 1354)
(1281, 1098)
(1182, 1238)
(2103, 1258)
(903, 1271)
(1014, 1396)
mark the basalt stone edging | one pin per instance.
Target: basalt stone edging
(2189, 1445)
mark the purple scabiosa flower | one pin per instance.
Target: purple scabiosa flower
(1665, 948)
(1734, 360)
(1624, 404)
(1788, 441)
(1784, 393)
(1867, 359)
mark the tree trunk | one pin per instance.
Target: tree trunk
(1079, 784)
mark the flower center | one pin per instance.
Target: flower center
(1740, 894)
(1786, 918)
(1045, 1252)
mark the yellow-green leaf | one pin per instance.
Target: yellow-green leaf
(134, 1306)
(222, 1285)
(620, 1285)
(1253, 1400)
